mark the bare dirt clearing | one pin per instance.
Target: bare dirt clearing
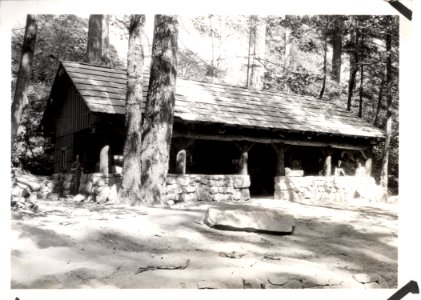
(67, 245)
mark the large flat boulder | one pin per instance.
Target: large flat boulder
(249, 218)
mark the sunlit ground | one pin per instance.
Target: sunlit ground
(93, 246)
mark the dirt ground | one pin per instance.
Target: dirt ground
(86, 245)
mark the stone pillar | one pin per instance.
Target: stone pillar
(280, 158)
(328, 162)
(180, 167)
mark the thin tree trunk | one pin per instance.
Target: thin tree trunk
(98, 40)
(322, 91)
(159, 111)
(259, 45)
(353, 70)
(249, 58)
(386, 148)
(360, 109)
(379, 101)
(213, 47)
(337, 52)
(20, 98)
(130, 185)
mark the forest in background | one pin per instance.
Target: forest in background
(351, 61)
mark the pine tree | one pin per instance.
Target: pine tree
(130, 185)
(159, 110)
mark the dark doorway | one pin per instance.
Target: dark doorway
(262, 168)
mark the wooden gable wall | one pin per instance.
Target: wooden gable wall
(72, 115)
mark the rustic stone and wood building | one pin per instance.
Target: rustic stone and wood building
(227, 141)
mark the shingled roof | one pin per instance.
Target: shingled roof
(104, 91)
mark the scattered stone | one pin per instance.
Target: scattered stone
(52, 197)
(32, 198)
(113, 196)
(32, 185)
(248, 218)
(17, 191)
(102, 197)
(90, 198)
(79, 198)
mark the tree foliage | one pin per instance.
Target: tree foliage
(60, 37)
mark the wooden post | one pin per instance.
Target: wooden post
(180, 167)
(243, 169)
(104, 160)
(328, 162)
(368, 156)
(280, 158)
(242, 164)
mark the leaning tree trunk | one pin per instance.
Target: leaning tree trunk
(98, 40)
(386, 148)
(130, 184)
(20, 98)
(159, 111)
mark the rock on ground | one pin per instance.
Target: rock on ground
(246, 218)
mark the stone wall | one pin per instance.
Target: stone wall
(180, 188)
(197, 187)
(321, 189)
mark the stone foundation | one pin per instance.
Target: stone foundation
(321, 189)
(180, 188)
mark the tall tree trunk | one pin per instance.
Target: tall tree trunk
(360, 109)
(287, 50)
(256, 53)
(353, 64)
(379, 101)
(259, 46)
(249, 57)
(98, 40)
(20, 98)
(212, 70)
(337, 51)
(130, 185)
(159, 111)
(386, 148)
(322, 91)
